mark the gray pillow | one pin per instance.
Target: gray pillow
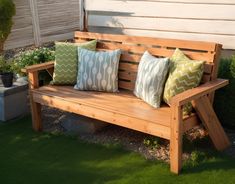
(98, 71)
(151, 78)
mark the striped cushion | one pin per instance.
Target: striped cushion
(150, 80)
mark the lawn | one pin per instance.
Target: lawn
(29, 157)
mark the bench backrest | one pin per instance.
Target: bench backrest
(134, 46)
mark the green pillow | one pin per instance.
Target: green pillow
(184, 74)
(66, 61)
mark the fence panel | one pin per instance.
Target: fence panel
(22, 30)
(40, 21)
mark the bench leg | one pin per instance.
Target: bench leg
(36, 115)
(35, 107)
(176, 139)
(211, 122)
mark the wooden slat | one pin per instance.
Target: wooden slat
(127, 75)
(128, 67)
(164, 52)
(194, 45)
(126, 85)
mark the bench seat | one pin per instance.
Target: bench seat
(126, 109)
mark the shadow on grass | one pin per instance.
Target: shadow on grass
(29, 157)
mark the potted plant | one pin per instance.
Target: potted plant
(6, 72)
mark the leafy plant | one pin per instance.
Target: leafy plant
(7, 11)
(225, 97)
(31, 57)
(151, 142)
(5, 66)
(196, 158)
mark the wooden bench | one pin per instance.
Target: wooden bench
(124, 108)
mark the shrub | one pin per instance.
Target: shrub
(7, 11)
(151, 142)
(5, 65)
(225, 97)
(31, 57)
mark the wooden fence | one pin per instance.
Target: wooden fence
(39, 21)
(203, 20)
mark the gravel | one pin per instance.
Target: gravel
(129, 139)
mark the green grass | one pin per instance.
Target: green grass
(29, 157)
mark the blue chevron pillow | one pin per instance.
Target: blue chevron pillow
(150, 80)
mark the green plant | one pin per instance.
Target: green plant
(5, 66)
(151, 142)
(196, 158)
(7, 11)
(31, 57)
(225, 97)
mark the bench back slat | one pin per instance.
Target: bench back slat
(134, 46)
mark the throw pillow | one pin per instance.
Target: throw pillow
(66, 61)
(151, 77)
(98, 71)
(184, 74)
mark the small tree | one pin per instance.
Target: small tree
(7, 11)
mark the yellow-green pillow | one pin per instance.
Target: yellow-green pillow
(66, 61)
(184, 74)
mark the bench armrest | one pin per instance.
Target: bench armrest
(198, 92)
(34, 70)
(38, 67)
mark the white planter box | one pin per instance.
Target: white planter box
(13, 101)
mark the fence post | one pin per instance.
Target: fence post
(35, 22)
(81, 14)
